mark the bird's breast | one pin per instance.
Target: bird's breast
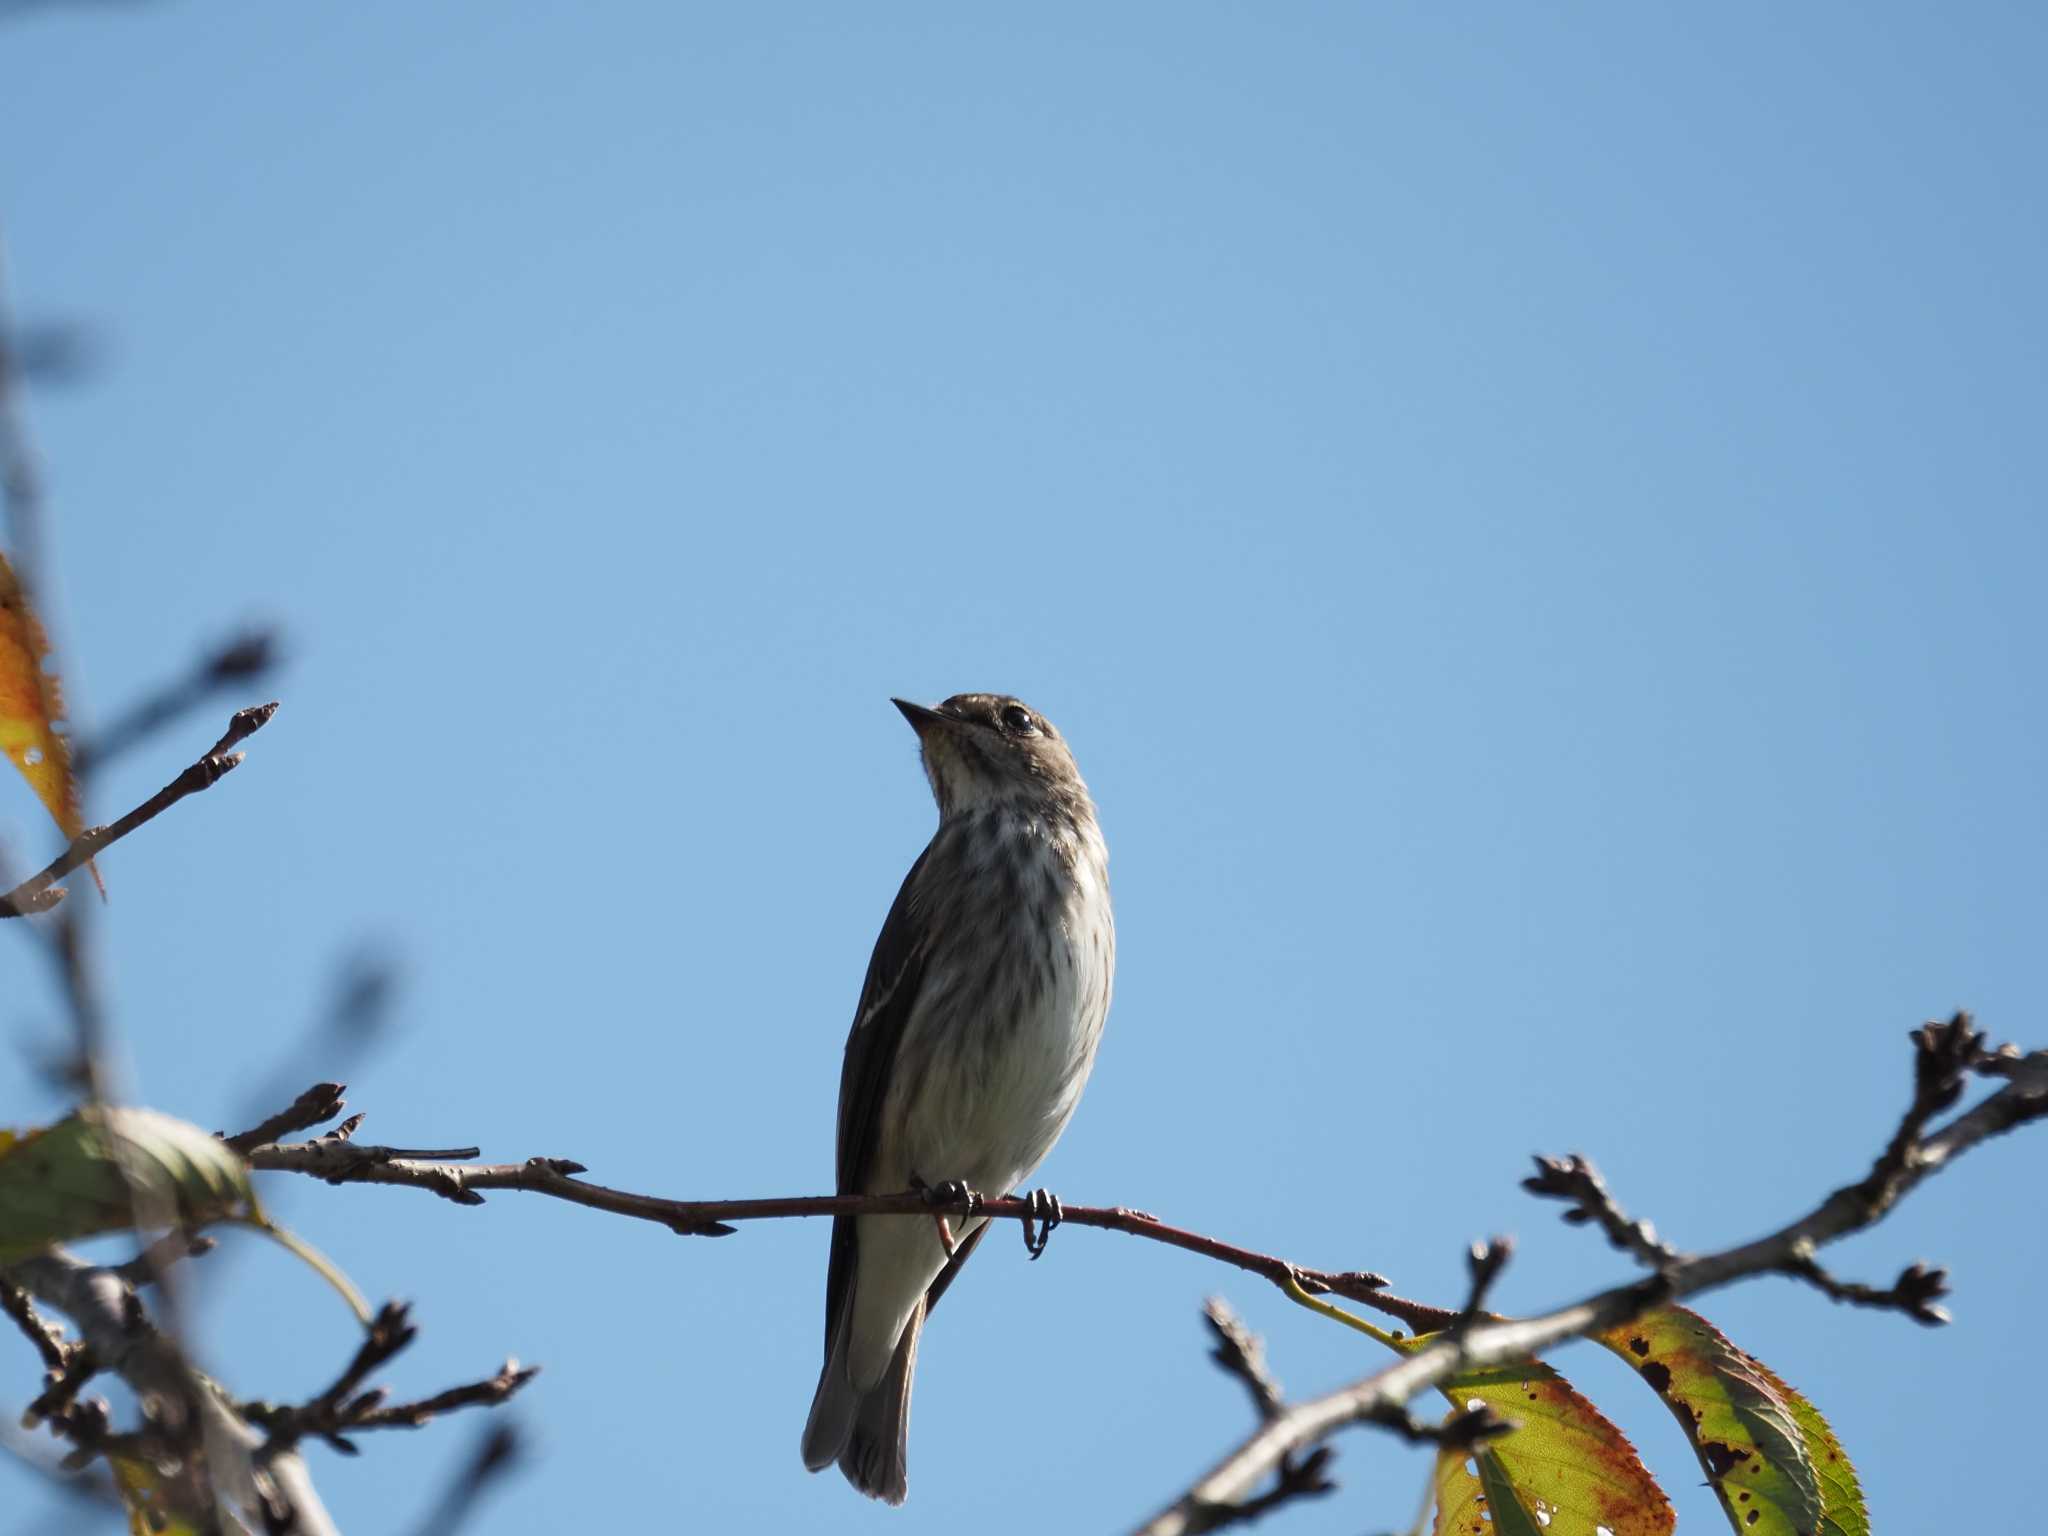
(1004, 1033)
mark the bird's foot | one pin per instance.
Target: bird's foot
(1046, 1211)
(952, 1192)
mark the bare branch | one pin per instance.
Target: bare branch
(63, 1386)
(488, 1393)
(1484, 1261)
(344, 1408)
(1242, 1354)
(341, 1161)
(117, 1334)
(46, 1336)
(1302, 1478)
(316, 1106)
(1913, 1293)
(40, 892)
(1575, 1179)
(241, 660)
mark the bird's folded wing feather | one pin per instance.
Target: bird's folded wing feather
(887, 999)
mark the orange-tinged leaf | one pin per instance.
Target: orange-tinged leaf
(31, 704)
(1567, 1471)
(1769, 1455)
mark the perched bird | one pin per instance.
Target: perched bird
(975, 1034)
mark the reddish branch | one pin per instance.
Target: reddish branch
(341, 1160)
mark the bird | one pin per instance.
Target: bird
(976, 1031)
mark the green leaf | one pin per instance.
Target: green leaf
(1566, 1471)
(1767, 1452)
(105, 1169)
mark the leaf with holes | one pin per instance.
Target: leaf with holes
(32, 707)
(101, 1170)
(1768, 1454)
(1565, 1472)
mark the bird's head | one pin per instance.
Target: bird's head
(983, 749)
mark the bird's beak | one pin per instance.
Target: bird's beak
(920, 718)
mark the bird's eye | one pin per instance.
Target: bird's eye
(1018, 719)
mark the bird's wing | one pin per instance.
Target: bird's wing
(887, 999)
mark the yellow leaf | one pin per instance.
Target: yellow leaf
(1567, 1469)
(30, 705)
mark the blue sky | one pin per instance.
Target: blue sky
(1531, 519)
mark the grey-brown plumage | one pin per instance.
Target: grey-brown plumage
(976, 1031)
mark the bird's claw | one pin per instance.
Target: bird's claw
(1045, 1210)
(952, 1192)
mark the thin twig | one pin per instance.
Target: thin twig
(47, 1338)
(40, 892)
(316, 1106)
(1574, 1179)
(351, 1162)
(1484, 1261)
(241, 660)
(1914, 1293)
(1242, 1354)
(63, 1386)
(344, 1407)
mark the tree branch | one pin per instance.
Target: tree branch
(199, 1454)
(1242, 1354)
(40, 892)
(343, 1409)
(1577, 1181)
(47, 1338)
(316, 1106)
(1944, 1055)
(341, 1161)
(243, 659)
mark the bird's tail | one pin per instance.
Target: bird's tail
(867, 1433)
